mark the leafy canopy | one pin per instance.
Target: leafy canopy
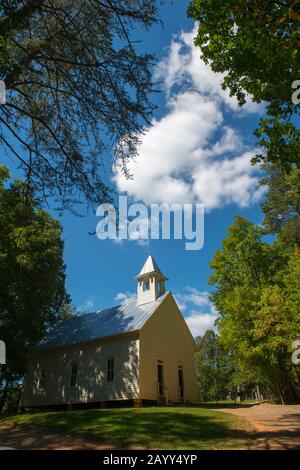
(76, 84)
(32, 273)
(257, 293)
(256, 45)
(281, 206)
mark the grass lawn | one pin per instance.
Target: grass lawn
(146, 428)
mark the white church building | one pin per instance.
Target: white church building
(135, 353)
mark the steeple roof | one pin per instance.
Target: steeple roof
(150, 266)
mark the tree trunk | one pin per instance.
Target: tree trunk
(4, 397)
(17, 406)
(287, 385)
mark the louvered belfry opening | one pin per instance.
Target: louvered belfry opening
(150, 282)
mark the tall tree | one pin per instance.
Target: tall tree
(76, 84)
(257, 295)
(255, 44)
(32, 276)
(215, 368)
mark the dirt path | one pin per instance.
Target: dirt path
(277, 426)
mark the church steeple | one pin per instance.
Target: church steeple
(151, 282)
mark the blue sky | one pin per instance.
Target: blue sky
(197, 150)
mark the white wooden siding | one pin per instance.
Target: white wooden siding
(91, 384)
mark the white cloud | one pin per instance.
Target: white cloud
(194, 296)
(199, 323)
(183, 65)
(191, 153)
(229, 181)
(88, 305)
(200, 314)
(168, 148)
(125, 297)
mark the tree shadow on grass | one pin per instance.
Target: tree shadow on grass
(147, 428)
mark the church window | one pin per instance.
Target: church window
(74, 375)
(41, 381)
(110, 369)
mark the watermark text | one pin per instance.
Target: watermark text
(157, 221)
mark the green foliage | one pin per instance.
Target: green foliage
(215, 368)
(282, 204)
(256, 45)
(77, 86)
(257, 295)
(32, 274)
(280, 141)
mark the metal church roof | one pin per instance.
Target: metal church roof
(109, 322)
